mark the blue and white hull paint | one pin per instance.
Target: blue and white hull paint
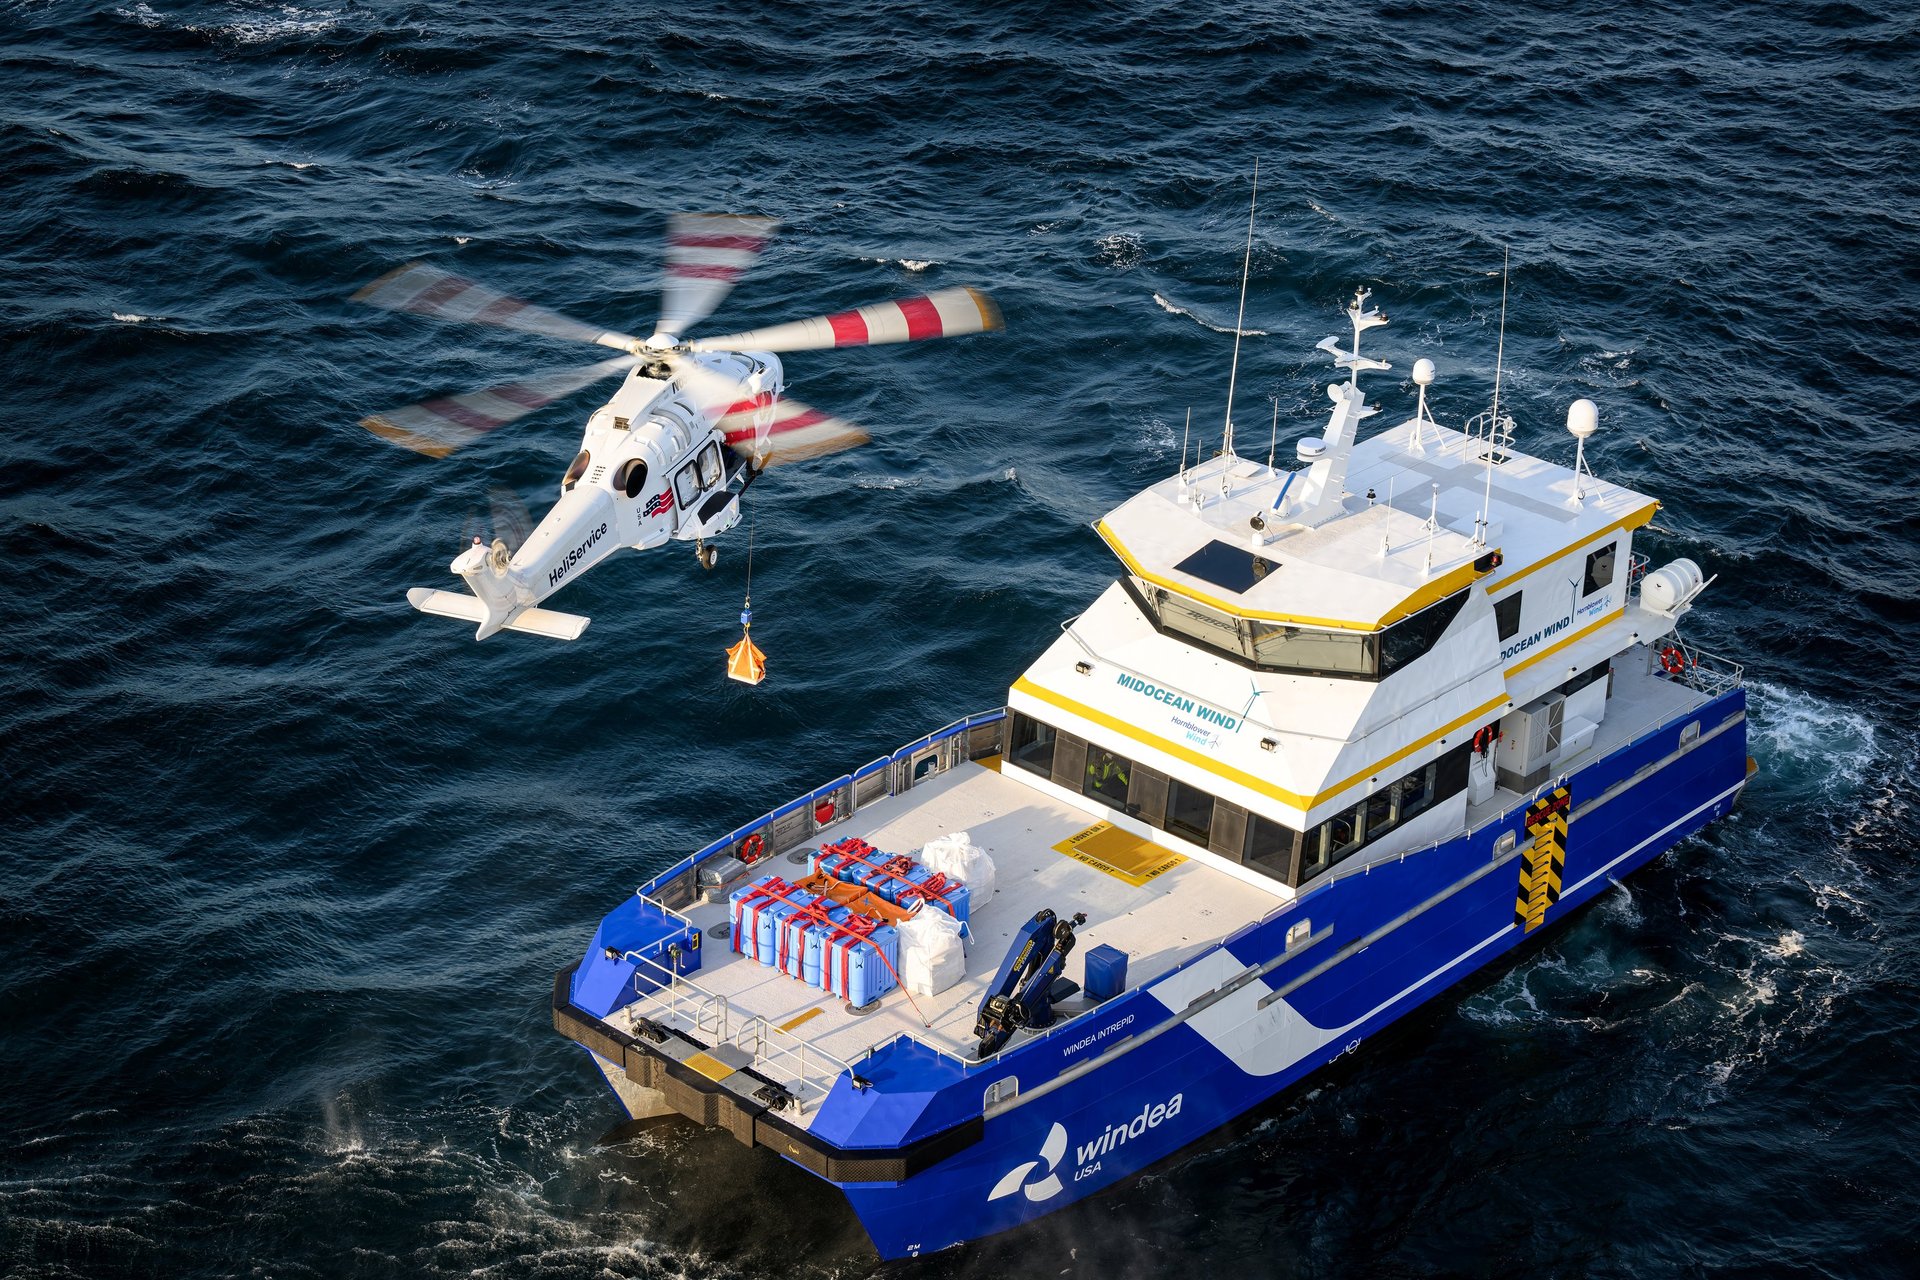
(1339, 753)
(1163, 1067)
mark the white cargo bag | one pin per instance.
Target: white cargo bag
(958, 858)
(931, 958)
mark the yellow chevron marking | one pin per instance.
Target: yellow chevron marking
(1542, 865)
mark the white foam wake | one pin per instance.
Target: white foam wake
(1174, 308)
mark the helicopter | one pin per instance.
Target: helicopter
(670, 455)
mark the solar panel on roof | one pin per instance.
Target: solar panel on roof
(1225, 565)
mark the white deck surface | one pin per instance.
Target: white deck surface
(1158, 924)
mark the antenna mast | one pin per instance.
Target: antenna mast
(1494, 429)
(1500, 350)
(1240, 321)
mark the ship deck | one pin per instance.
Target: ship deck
(1158, 924)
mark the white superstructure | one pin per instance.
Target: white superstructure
(1314, 651)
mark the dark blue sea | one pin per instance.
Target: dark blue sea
(286, 868)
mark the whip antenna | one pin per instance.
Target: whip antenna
(1239, 323)
(1500, 348)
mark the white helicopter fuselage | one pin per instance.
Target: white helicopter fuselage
(653, 467)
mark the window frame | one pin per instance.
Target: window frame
(1251, 637)
(1014, 755)
(1506, 615)
(1590, 585)
(689, 470)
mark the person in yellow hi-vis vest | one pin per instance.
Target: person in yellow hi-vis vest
(1105, 770)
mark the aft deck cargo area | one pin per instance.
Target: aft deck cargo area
(1158, 923)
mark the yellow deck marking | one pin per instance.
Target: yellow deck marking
(1120, 854)
(712, 1068)
(791, 1023)
(989, 762)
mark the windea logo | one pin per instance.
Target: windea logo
(1088, 1154)
(1046, 1188)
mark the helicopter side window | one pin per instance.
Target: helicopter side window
(711, 469)
(577, 469)
(686, 484)
(632, 478)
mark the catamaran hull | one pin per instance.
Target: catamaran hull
(1166, 1065)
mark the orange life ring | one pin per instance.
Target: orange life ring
(752, 847)
(823, 812)
(1673, 661)
(1485, 739)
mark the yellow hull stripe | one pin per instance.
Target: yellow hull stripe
(1431, 593)
(1558, 645)
(1633, 521)
(1259, 785)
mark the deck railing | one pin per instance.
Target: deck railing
(1707, 672)
(805, 1070)
(800, 819)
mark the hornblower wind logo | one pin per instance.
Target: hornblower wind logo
(1054, 1149)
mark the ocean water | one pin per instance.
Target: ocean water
(286, 868)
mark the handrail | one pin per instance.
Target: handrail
(733, 838)
(772, 1054)
(775, 1051)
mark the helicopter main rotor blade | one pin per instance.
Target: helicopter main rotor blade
(760, 427)
(706, 255)
(428, 291)
(512, 522)
(438, 427)
(946, 314)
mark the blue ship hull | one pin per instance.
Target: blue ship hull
(1164, 1065)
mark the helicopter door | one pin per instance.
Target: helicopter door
(698, 476)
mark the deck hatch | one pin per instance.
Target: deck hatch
(1224, 565)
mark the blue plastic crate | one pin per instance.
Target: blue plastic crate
(754, 912)
(1106, 972)
(861, 970)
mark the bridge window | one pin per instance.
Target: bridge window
(1189, 812)
(1411, 638)
(1108, 776)
(1351, 830)
(1507, 614)
(1270, 846)
(1030, 745)
(1278, 646)
(1599, 569)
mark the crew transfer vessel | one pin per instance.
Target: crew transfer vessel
(1337, 736)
